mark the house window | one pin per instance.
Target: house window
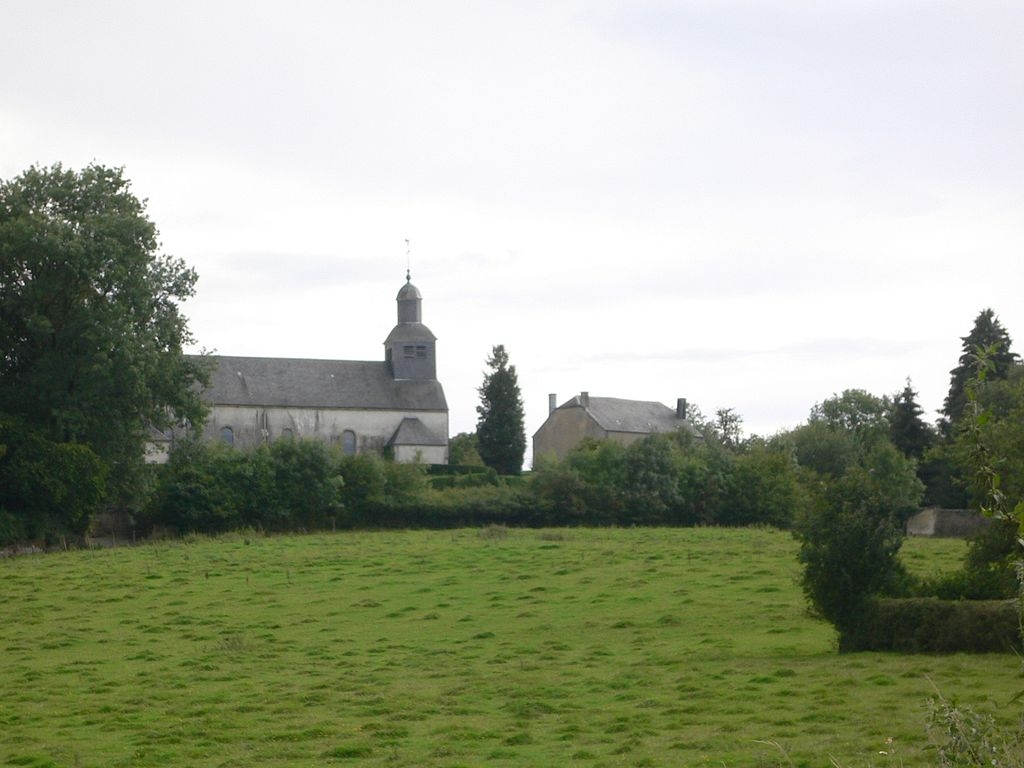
(348, 442)
(414, 352)
(227, 434)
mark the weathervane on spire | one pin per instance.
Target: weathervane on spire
(408, 274)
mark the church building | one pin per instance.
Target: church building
(394, 405)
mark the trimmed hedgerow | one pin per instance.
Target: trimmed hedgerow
(931, 625)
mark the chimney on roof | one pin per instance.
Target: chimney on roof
(585, 399)
(552, 403)
(681, 408)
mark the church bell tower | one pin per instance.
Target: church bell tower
(410, 349)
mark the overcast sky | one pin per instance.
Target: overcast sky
(750, 204)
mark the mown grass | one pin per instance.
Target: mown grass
(646, 647)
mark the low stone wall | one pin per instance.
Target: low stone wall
(948, 523)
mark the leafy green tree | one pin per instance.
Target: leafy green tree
(862, 415)
(764, 490)
(208, 488)
(948, 466)
(907, 430)
(945, 476)
(861, 488)
(501, 437)
(651, 472)
(599, 462)
(584, 487)
(91, 333)
(987, 334)
(305, 487)
(848, 554)
(728, 428)
(839, 432)
(821, 448)
(204, 488)
(1002, 430)
(987, 448)
(47, 489)
(561, 495)
(371, 482)
(850, 536)
(462, 451)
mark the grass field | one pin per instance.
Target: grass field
(649, 647)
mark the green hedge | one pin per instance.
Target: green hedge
(451, 508)
(931, 625)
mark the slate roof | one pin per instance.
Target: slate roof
(410, 332)
(281, 381)
(614, 414)
(412, 431)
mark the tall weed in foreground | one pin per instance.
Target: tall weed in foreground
(965, 737)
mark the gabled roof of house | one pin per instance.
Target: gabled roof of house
(304, 383)
(614, 414)
(412, 431)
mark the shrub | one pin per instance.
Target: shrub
(47, 489)
(305, 487)
(213, 488)
(651, 480)
(451, 508)
(202, 489)
(481, 477)
(584, 488)
(764, 490)
(848, 555)
(852, 532)
(931, 625)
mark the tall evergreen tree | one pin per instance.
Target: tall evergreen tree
(989, 334)
(909, 432)
(501, 438)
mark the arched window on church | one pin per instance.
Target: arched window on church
(348, 442)
(227, 434)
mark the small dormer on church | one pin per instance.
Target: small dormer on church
(410, 350)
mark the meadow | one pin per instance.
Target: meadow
(590, 647)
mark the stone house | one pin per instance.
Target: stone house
(604, 418)
(395, 404)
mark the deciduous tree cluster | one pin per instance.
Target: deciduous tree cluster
(91, 340)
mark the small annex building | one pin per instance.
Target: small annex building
(395, 404)
(604, 418)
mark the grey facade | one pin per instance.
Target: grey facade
(604, 418)
(395, 404)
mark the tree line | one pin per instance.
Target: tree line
(91, 338)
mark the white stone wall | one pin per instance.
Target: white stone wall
(251, 425)
(430, 454)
